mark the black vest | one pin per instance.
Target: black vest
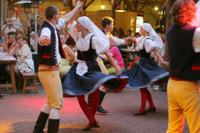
(143, 53)
(47, 54)
(184, 62)
(89, 55)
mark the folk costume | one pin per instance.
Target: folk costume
(85, 76)
(147, 71)
(50, 57)
(183, 92)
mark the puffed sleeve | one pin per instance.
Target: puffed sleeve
(116, 41)
(72, 30)
(61, 23)
(150, 45)
(101, 45)
(46, 32)
(196, 40)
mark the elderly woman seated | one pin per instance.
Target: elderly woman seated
(24, 56)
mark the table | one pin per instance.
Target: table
(11, 63)
(129, 52)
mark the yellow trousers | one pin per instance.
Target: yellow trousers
(52, 85)
(183, 102)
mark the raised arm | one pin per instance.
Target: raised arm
(71, 15)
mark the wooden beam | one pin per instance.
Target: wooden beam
(114, 6)
(136, 5)
(69, 2)
(89, 3)
(129, 5)
(145, 4)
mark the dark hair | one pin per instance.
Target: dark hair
(121, 33)
(20, 38)
(50, 12)
(70, 41)
(11, 33)
(19, 32)
(115, 32)
(106, 20)
(183, 12)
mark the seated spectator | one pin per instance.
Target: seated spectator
(114, 51)
(121, 33)
(129, 33)
(66, 63)
(9, 27)
(10, 42)
(24, 56)
(32, 41)
(118, 57)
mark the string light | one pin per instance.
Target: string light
(102, 5)
(156, 8)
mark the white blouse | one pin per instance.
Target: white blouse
(148, 44)
(82, 44)
(196, 40)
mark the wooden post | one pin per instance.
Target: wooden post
(168, 24)
(114, 6)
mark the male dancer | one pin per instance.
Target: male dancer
(50, 52)
(183, 41)
(107, 25)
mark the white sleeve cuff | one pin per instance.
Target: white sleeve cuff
(196, 40)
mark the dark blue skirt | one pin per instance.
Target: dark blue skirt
(145, 73)
(74, 84)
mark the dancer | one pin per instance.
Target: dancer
(183, 41)
(50, 52)
(107, 25)
(147, 71)
(85, 76)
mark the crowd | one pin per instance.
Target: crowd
(78, 54)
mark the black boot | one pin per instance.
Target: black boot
(53, 125)
(101, 97)
(40, 123)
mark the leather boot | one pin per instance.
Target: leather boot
(40, 123)
(53, 125)
(101, 97)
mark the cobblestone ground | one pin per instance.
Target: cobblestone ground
(18, 113)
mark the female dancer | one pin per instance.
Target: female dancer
(85, 76)
(147, 71)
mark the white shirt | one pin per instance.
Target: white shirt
(116, 41)
(47, 32)
(148, 44)
(196, 40)
(83, 44)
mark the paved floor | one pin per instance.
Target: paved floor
(18, 113)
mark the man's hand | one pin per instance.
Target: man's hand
(44, 41)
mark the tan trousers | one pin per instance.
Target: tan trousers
(183, 102)
(52, 85)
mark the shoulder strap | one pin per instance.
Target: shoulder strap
(91, 41)
(146, 39)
